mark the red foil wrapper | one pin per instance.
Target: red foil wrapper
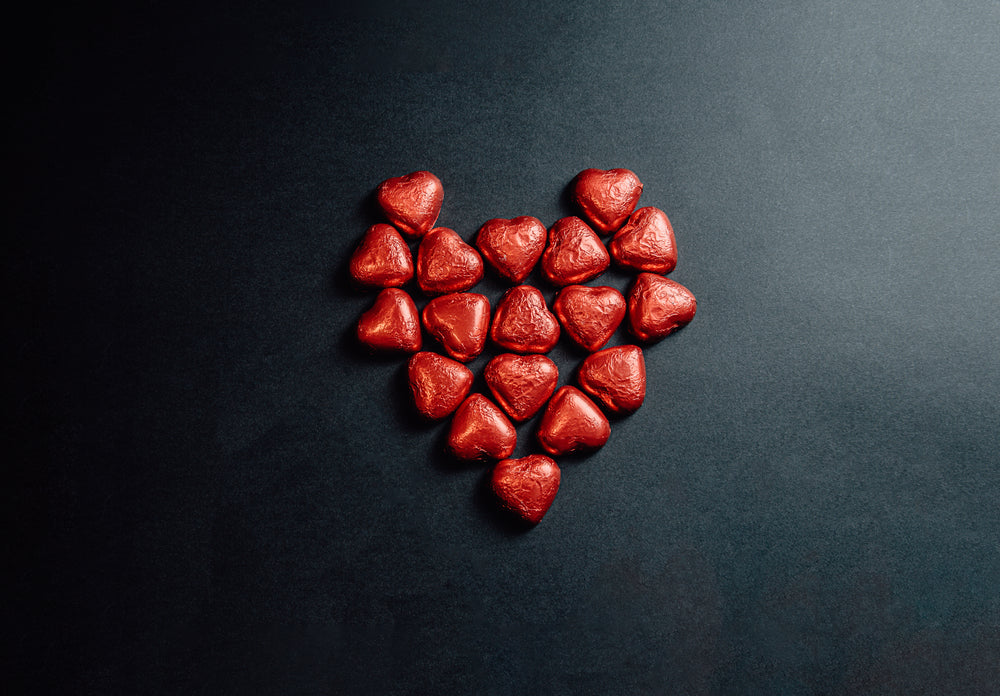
(527, 486)
(646, 242)
(411, 202)
(615, 377)
(606, 198)
(512, 247)
(480, 430)
(590, 316)
(445, 263)
(572, 423)
(521, 384)
(392, 324)
(658, 306)
(382, 259)
(460, 322)
(439, 384)
(575, 253)
(523, 323)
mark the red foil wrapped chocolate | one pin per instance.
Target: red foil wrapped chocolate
(392, 324)
(460, 322)
(646, 242)
(411, 202)
(572, 423)
(382, 259)
(480, 430)
(606, 198)
(521, 384)
(526, 486)
(615, 377)
(658, 306)
(589, 315)
(512, 247)
(438, 384)
(445, 263)
(575, 253)
(523, 323)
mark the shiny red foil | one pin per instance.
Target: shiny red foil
(382, 259)
(392, 324)
(572, 423)
(575, 253)
(411, 202)
(526, 486)
(615, 377)
(646, 242)
(521, 384)
(658, 306)
(438, 384)
(589, 315)
(606, 198)
(480, 430)
(523, 323)
(445, 263)
(512, 247)
(460, 322)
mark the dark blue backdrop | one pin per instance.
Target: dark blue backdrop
(211, 490)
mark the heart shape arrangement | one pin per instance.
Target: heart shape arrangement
(522, 381)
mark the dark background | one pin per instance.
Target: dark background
(210, 489)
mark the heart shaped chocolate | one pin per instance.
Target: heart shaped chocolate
(523, 323)
(606, 198)
(438, 384)
(616, 377)
(572, 423)
(480, 430)
(575, 253)
(658, 306)
(590, 315)
(526, 486)
(460, 322)
(445, 263)
(646, 242)
(412, 202)
(512, 247)
(521, 384)
(392, 324)
(382, 259)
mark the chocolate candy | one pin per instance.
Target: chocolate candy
(438, 384)
(480, 430)
(382, 259)
(575, 253)
(572, 423)
(616, 377)
(412, 202)
(658, 306)
(521, 384)
(512, 247)
(445, 263)
(606, 198)
(523, 323)
(526, 486)
(590, 315)
(392, 324)
(460, 322)
(646, 242)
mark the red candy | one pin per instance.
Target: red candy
(512, 247)
(392, 324)
(438, 384)
(446, 264)
(382, 259)
(572, 423)
(607, 198)
(646, 242)
(460, 322)
(658, 306)
(521, 384)
(575, 253)
(616, 377)
(412, 202)
(589, 315)
(523, 323)
(480, 430)
(526, 486)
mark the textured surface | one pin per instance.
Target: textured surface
(572, 423)
(526, 486)
(523, 322)
(211, 490)
(459, 322)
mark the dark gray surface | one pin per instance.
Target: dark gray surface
(214, 491)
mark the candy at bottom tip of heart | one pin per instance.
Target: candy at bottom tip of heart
(526, 486)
